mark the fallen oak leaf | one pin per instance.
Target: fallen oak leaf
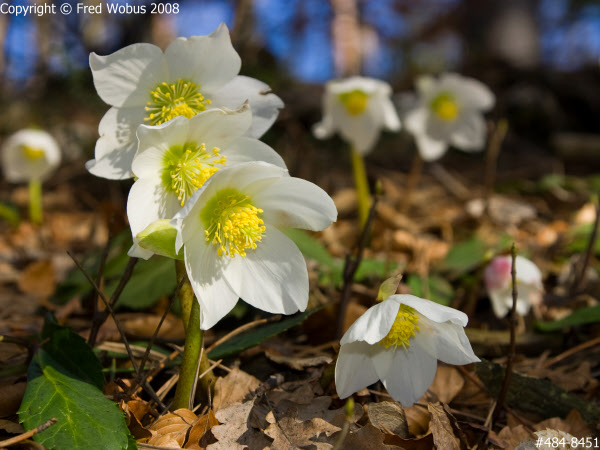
(289, 432)
(441, 428)
(388, 417)
(236, 431)
(200, 436)
(233, 388)
(171, 429)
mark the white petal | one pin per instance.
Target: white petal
(354, 370)
(245, 149)
(216, 127)
(416, 119)
(205, 271)
(425, 85)
(138, 252)
(294, 203)
(430, 149)
(501, 300)
(114, 165)
(470, 132)
(265, 105)
(374, 324)
(17, 167)
(126, 77)
(528, 272)
(273, 277)
(471, 93)
(153, 144)
(389, 114)
(406, 374)
(210, 61)
(362, 130)
(450, 343)
(326, 127)
(432, 310)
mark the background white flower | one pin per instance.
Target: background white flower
(233, 244)
(498, 282)
(29, 154)
(146, 86)
(174, 159)
(358, 108)
(399, 341)
(449, 111)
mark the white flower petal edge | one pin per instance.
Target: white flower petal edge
(202, 69)
(215, 140)
(407, 367)
(29, 154)
(449, 111)
(358, 108)
(271, 273)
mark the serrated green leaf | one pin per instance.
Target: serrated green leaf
(159, 238)
(86, 419)
(465, 256)
(254, 337)
(150, 281)
(72, 352)
(438, 289)
(591, 314)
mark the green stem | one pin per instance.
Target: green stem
(362, 185)
(35, 201)
(190, 364)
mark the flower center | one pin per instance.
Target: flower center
(404, 327)
(187, 167)
(167, 101)
(355, 101)
(445, 106)
(32, 154)
(232, 223)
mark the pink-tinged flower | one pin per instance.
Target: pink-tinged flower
(498, 282)
(399, 341)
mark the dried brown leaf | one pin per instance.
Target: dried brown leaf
(388, 417)
(366, 438)
(233, 388)
(172, 428)
(512, 436)
(38, 278)
(448, 382)
(236, 431)
(11, 427)
(572, 424)
(422, 443)
(290, 432)
(200, 436)
(417, 418)
(11, 395)
(298, 363)
(441, 429)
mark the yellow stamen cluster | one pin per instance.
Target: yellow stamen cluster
(32, 154)
(235, 225)
(355, 101)
(404, 327)
(187, 167)
(182, 98)
(445, 106)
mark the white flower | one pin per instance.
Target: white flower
(498, 282)
(29, 155)
(146, 86)
(399, 341)
(233, 246)
(174, 159)
(358, 108)
(449, 111)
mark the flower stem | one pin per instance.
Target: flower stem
(362, 185)
(35, 201)
(191, 364)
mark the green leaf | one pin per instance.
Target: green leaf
(254, 337)
(373, 268)
(582, 316)
(86, 419)
(72, 352)
(311, 248)
(437, 290)
(465, 256)
(150, 281)
(159, 237)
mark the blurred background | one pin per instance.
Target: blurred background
(540, 57)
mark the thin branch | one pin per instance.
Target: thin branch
(493, 151)
(28, 434)
(241, 329)
(513, 336)
(109, 309)
(580, 276)
(351, 266)
(571, 352)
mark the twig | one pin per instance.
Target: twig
(413, 179)
(513, 336)
(571, 352)
(580, 276)
(242, 329)
(351, 266)
(28, 434)
(102, 316)
(153, 338)
(97, 319)
(493, 151)
(110, 310)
